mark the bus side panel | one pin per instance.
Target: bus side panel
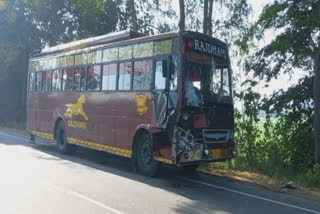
(108, 118)
(30, 123)
(132, 110)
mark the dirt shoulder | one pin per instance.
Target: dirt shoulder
(264, 182)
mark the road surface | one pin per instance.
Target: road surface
(37, 180)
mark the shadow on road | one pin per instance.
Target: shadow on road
(202, 199)
(166, 178)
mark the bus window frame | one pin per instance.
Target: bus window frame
(155, 59)
(59, 70)
(36, 89)
(65, 70)
(101, 70)
(30, 90)
(117, 73)
(152, 74)
(86, 78)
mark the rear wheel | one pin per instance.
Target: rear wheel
(61, 140)
(146, 164)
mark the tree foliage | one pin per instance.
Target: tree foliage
(295, 46)
(299, 25)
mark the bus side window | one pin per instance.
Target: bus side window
(56, 80)
(32, 82)
(124, 76)
(160, 80)
(39, 78)
(94, 77)
(67, 79)
(109, 77)
(142, 75)
(46, 81)
(79, 79)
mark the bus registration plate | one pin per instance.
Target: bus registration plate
(217, 153)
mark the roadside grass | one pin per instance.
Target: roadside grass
(308, 182)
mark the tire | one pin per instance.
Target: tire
(190, 169)
(61, 141)
(146, 165)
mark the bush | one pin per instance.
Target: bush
(311, 177)
(278, 145)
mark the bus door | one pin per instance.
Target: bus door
(160, 94)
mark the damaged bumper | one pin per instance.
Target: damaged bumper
(205, 155)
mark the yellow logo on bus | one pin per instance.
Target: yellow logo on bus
(141, 101)
(76, 108)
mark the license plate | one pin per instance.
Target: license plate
(217, 153)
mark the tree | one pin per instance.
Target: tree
(224, 19)
(182, 16)
(296, 46)
(55, 20)
(18, 37)
(132, 14)
(207, 17)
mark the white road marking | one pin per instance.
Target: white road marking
(83, 197)
(190, 180)
(250, 195)
(94, 202)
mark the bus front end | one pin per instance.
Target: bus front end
(205, 123)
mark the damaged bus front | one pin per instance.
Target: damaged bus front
(205, 124)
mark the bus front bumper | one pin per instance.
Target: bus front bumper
(200, 155)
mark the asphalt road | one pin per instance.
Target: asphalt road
(36, 179)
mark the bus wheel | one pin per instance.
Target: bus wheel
(190, 169)
(61, 140)
(146, 164)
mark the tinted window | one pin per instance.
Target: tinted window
(94, 57)
(39, 78)
(67, 79)
(124, 76)
(32, 81)
(162, 47)
(125, 52)
(109, 77)
(110, 55)
(160, 81)
(79, 79)
(142, 75)
(143, 50)
(94, 77)
(56, 80)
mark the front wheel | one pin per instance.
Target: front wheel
(146, 164)
(61, 140)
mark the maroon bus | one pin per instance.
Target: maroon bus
(164, 98)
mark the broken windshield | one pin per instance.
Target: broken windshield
(207, 81)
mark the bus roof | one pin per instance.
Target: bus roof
(114, 39)
(93, 41)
